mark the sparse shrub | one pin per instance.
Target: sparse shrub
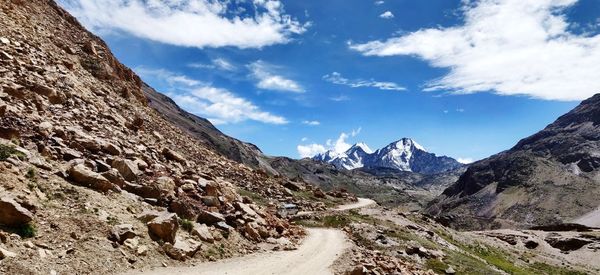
(186, 224)
(6, 151)
(26, 231)
(31, 173)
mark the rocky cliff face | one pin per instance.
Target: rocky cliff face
(550, 177)
(96, 174)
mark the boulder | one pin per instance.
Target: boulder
(293, 186)
(246, 209)
(202, 232)
(12, 213)
(319, 193)
(210, 201)
(111, 149)
(120, 233)
(127, 168)
(164, 227)
(251, 230)
(182, 249)
(210, 218)
(172, 155)
(115, 177)
(86, 177)
(6, 254)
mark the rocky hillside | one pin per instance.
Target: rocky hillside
(402, 155)
(203, 130)
(550, 177)
(92, 178)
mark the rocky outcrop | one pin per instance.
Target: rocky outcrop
(12, 213)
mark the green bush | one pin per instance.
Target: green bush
(27, 231)
(186, 224)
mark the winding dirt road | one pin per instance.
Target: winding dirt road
(362, 202)
(314, 256)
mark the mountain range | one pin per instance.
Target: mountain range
(402, 155)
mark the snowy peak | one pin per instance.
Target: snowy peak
(361, 145)
(404, 155)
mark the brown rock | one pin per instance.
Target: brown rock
(127, 168)
(86, 177)
(202, 232)
(209, 218)
(111, 149)
(182, 249)
(252, 231)
(164, 227)
(293, 186)
(6, 254)
(120, 233)
(12, 213)
(115, 177)
(172, 155)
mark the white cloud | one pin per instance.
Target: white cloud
(379, 3)
(310, 150)
(269, 80)
(465, 160)
(218, 105)
(311, 122)
(337, 78)
(191, 23)
(304, 139)
(340, 145)
(510, 47)
(387, 15)
(340, 98)
(217, 63)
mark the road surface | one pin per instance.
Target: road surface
(314, 256)
(359, 204)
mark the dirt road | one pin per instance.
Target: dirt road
(314, 256)
(359, 204)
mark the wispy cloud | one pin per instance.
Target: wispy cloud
(387, 15)
(379, 3)
(217, 63)
(218, 105)
(311, 122)
(337, 78)
(268, 79)
(509, 47)
(191, 23)
(340, 98)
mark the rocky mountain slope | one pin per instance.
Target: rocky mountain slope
(403, 155)
(203, 130)
(92, 178)
(550, 177)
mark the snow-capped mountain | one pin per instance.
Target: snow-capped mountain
(403, 155)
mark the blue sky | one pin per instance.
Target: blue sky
(465, 79)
